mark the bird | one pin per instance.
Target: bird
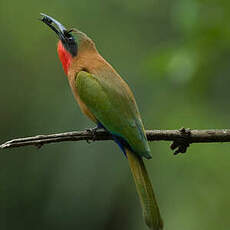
(106, 99)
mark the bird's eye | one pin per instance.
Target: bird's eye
(68, 35)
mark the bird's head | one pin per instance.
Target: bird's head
(70, 41)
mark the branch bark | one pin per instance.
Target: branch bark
(181, 138)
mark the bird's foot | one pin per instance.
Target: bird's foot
(92, 132)
(181, 145)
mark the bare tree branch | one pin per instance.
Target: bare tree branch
(181, 138)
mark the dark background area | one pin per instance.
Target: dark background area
(175, 56)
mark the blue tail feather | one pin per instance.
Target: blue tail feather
(100, 126)
(118, 140)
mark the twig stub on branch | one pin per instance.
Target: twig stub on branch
(181, 145)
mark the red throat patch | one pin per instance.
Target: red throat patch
(64, 56)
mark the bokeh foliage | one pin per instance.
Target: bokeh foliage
(175, 55)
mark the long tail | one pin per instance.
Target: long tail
(145, 191)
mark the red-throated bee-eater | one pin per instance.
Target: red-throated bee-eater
(107, 100)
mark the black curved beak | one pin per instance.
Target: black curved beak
(64, 35)
(61, 31)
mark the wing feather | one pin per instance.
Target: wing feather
(113, 104)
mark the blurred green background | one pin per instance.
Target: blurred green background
(175, 56)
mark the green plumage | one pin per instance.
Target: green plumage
(111, 101)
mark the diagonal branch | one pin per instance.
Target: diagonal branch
(181, 138)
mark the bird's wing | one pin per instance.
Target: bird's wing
(112, 103)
